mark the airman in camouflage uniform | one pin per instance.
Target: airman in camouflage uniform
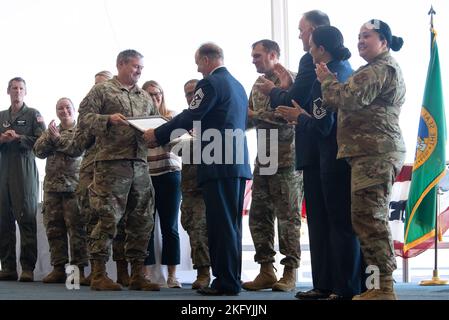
(193, 210)
(278, 195)
(122, 186)
(83, 143)
(61, 211)
(369, 137)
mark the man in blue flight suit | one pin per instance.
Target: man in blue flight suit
(220, 103)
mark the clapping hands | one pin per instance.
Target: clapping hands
(322, 72)
(53, 131)
(284, 76)
(291, 114)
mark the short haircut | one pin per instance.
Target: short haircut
(211, 50)
(195, 81)
(317, 18)
(104, 73)
(269, 45)
(17, 79)
(126, 55)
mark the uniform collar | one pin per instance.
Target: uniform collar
(19, 113)
(272, 77)
(22, 108)
(62, 129)
(381, 56)
(134, 89)
(216, 69)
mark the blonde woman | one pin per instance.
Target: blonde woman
(165, 171)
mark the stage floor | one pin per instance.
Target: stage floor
(39, 291)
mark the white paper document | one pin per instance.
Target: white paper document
(145, 123)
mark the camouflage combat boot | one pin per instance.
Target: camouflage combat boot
(122, 272)
(138, 281)
(100, 280)
(56, 276)
(385, 292)
(202, 278)
(83, 280)
(264, 280)
(288, 280)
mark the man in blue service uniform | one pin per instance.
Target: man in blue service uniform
(220, 103)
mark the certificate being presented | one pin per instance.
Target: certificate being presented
(145, 123)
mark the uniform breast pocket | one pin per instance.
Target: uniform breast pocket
(120, 105)
(21, 126)
(113, 104)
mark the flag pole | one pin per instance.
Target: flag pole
(436, 281)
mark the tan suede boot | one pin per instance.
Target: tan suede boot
(100, 280)
(122, 272)
(288, 280)
(264, 280)
(385, 292)
(202, 278)
(83, 280)
(57, 275)
(138, 281)
(26, 276)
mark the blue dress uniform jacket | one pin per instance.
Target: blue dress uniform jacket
(305, 147)
(321, 126)
(220, 103)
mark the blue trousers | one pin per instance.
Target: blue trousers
(167, 189)
(334, 248)
(224, 203)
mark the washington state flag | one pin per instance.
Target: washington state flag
(429, 164)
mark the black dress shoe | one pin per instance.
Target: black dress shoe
(336, 297)
(313, 294)
(208, 291)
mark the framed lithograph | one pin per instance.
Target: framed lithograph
(145, 123)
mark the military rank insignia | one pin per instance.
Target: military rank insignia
(196, 101)
(318, 111)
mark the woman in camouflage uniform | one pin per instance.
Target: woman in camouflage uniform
(64, 224)
(370, 139)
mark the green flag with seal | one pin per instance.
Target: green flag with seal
(429, 164)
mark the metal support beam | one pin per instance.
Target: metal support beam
(279, 28)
